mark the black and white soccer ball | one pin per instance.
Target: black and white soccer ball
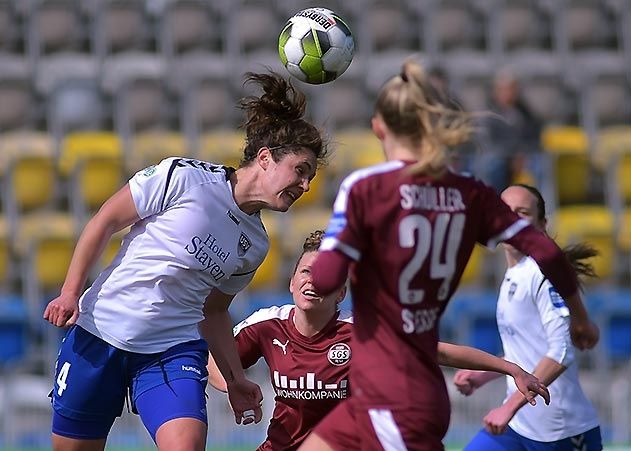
(316, 45)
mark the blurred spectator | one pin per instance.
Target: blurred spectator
(509, 136)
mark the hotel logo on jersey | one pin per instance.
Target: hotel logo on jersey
(207, 251)
(309, 387)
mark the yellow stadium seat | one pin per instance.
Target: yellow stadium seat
(472, 274)
(111, 249)
(299, 224)
(571, 174)
(564, 139)
(593, 224)
(96, 179)
(624, 230)
(80, 145)
(354, 149)
(621, 166)
(222, 147)
(32, 181)
(318, 191)
(22, 143)
(151, 147)
(268, 274)
(610, 143)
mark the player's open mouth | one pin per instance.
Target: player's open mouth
(310, 294)
(291, 195)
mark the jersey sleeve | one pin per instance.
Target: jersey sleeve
(237, 282)
(247, 339)
(555, 321)
(344, 232)
(500, 223)
(154, 188)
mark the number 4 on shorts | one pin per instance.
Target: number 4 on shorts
(61, 378)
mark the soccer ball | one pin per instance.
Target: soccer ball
(316, 46)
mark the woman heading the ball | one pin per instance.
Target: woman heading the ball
(406, 229)
(144, 328)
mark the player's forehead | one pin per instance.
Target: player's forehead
(518, 197)
(301, 156)
(307, 259)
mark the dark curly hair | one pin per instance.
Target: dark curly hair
(311, 244)
(275, 120)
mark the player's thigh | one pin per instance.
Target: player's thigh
(182, 434)
(338, 430)
(89, 386)
(485, 441)
(406, 428)
(172, 386)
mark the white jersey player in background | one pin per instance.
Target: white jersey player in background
(533, 322)
(144, 328)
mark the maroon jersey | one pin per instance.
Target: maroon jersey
(410, 237)
(309, 375)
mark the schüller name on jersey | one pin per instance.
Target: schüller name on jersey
(203, 250)
(431, 198)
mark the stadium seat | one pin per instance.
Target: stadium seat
(587, 25)
(355, 149)
(472, 314)
(455, 25)
(610, 142)
(110, 251)
(389, 25)
(72, 96)
(55, 26)
(522, 24)
(206, 99)
(593, 224)
(14, 338)
(564, 139)
(344, 104)
(268, 275)
(151, 147)
(9, 29)
(119, 26)
(297, 226)
(473, 273)
(222, 147)
(249, 22)
(17, 109)
(78, 146)
(189, 25)
(141, 100)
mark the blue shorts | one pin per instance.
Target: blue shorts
(93, 379)
(512, 441)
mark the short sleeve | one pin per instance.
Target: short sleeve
(345, 231)
(549, 302)
(154, 187)
(237, 282)
(248, 342)
(499, 222)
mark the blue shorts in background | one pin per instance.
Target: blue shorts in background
(93, 379)
(512, 441)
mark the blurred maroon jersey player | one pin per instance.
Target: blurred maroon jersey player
(406, 228)
(309, 374)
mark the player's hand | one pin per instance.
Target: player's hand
(530, 386)
(584, 333)
(496, 421)
(245, 398)
(467, 381)
(62, 311)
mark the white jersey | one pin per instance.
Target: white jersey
(529, 314)
(192, 238)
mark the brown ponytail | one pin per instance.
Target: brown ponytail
(275, 119)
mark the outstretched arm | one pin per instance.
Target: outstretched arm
(214, 375)
(474, 359)
(118, 212)
(216, 328)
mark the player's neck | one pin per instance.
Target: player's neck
(397, 149)
(513, 256)
(311, 323)
(246, 199)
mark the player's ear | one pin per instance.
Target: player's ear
(378, 127)
(342, 295)
(263, 157)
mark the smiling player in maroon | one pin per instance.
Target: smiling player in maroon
(406, 229)
(307, 347)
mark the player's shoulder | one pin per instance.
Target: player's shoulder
(261, 316)
(372, 171)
